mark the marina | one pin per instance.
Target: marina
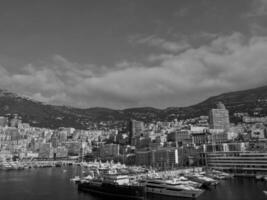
(119, 181)
(53, 183)
(108, 179)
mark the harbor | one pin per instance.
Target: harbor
(133, 182)
(120, 181)
(54, 183)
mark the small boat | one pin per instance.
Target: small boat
(265, 192)
(89, 177)
(76, 179)
(259, 177)
(58, 164)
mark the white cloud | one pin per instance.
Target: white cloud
(228, 63)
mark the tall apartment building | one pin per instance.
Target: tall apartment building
(219, 117)
(136, 127)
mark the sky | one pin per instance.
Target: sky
(131, 53)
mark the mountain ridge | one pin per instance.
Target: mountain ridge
(53, 116)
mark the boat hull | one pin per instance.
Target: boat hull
(113, 191)
(168, 192)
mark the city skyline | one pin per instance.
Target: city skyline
(123, 54)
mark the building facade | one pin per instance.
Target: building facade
(239, 163)
(219, 117)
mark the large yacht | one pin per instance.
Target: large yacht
(117, 186)
(172, 188)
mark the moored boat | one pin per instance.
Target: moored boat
(204, 180)
(259, 177)
(174, 189)
(76, 179)
(115, 186)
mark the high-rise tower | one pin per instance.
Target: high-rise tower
(219, 117)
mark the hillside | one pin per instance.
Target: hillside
(43, 115)
(238, 101)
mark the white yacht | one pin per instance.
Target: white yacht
(172, 188)
(76, 179)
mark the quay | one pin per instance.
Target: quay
(35, 163)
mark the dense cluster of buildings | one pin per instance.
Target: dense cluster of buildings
(21, 141)
(204, 140)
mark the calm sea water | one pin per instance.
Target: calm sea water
(53, 183)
